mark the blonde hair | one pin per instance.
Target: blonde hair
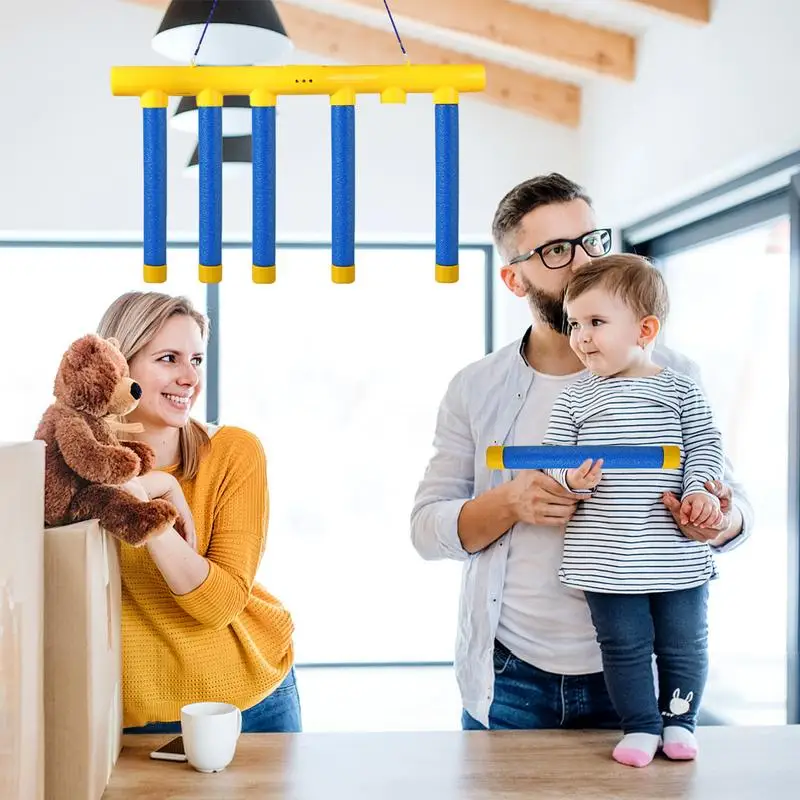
(630, 277)
(134, 319)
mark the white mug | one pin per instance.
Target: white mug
(210, 732)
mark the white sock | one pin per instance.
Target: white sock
(679, 744)
(636, 749)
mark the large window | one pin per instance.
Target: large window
(730, 312)
(342, 384)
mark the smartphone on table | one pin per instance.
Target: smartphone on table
(171, 751)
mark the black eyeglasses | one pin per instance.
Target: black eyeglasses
(560, 253)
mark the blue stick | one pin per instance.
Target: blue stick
(552, 457)
(264, 162)
(154, 133)
(343, 184)
(447, 191)
(210, 162)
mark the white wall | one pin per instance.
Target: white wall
(708, 103)
(71, 159)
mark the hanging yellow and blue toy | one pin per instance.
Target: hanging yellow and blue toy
(155, 85)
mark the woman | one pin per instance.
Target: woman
(195, 624)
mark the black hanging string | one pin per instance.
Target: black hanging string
(396, 33)
(203, 34)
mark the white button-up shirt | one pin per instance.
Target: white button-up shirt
(480, 408)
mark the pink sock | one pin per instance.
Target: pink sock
(636, 749)
(679, 743)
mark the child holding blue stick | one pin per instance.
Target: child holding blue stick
(645, 582)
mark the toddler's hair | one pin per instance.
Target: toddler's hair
(632, 278)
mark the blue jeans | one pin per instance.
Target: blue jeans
(526, 697)
(630, 628)
(278, 712)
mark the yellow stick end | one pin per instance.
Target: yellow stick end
(263, 274)
(343, 274)
(209, 97)
(154, 98)
(494, 457)
(210, 274)
(447, 274)
(445, 94)
(343, 97)
(672, 456)
(155, 274)
(262, 97)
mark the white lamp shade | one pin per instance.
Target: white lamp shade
(241, 32)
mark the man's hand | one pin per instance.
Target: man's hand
(538, 499)
(586, 476)
(711, 533)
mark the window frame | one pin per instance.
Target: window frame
(747, 201)
(212, 363)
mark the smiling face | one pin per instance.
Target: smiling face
(169, 370)
(607, 335)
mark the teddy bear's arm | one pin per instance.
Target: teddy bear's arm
(93, 461)
(146, 455)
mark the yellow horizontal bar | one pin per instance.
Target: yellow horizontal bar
(297, 79)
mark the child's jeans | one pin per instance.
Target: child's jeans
(630, 628)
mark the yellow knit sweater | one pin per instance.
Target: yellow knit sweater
(228, 640)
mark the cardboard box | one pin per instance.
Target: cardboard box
(83, 661)
(21, 626)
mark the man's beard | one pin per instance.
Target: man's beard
(548, 308)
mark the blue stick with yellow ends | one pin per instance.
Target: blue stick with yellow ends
(446, 186)
(154, 140)
(264, 187)
(209, 148)
(343, 186)
(570, 457)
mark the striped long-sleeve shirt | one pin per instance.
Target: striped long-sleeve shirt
(622, 539)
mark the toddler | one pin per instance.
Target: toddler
(646, 584)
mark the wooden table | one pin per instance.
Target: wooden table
(759, 763)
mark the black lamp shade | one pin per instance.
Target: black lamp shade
(241, 32)
(237, 115)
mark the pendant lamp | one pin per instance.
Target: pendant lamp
(241, 32)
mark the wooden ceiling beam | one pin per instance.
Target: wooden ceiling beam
(351, 42)
(686, 10)
(535, 32)
(354, 43)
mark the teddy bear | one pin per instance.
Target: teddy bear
(85, 462)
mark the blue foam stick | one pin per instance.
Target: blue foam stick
(447, 184)
(343, 184)
(154, 135)
(209, 147)
(264, 186)
(565, 457)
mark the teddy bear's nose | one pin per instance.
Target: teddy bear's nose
(136, 390)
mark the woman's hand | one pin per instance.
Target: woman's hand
(161, 484)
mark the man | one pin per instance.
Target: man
(526, 652)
